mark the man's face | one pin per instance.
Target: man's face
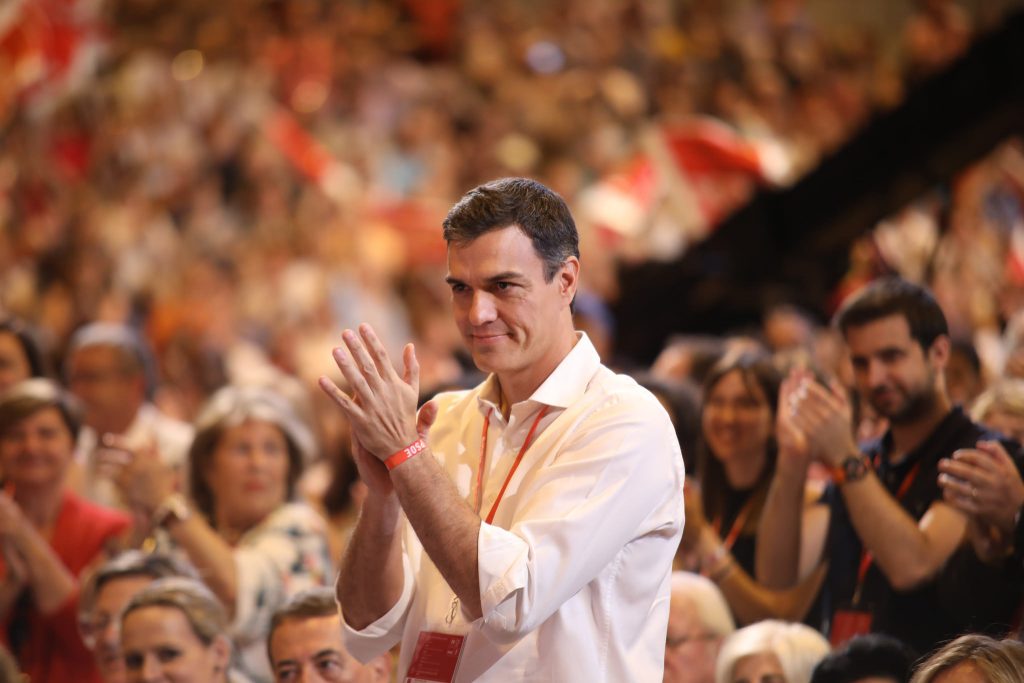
(110, 392)
(310, 650)
(508, 314)
(891, 369)
(102, 627)
(690, 649)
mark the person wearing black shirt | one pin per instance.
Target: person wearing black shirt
(897, 561)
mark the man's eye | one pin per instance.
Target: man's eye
(133, 661)
(330, 669)
(167, 654)
(286, 674)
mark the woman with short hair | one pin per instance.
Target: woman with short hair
(175, 629)
(974, 657)
(771, 650)
(251, 541)
(48, 535)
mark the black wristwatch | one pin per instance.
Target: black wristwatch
(852, 468)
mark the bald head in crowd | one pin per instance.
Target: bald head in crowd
(305, 644)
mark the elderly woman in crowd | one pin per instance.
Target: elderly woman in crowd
(698, 621)
(48, 535)
(735, 465)
(974, 659)
(251, 543)
(1001, 408)
(771, 650)
(107, 593)
(176, 630)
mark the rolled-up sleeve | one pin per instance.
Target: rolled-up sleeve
(386, 632)
(618, 479)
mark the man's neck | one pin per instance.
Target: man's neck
(907, 437)
(519, 386)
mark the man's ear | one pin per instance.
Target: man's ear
(568, 277)
(939, 351)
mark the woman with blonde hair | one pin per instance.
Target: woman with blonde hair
(974, 658)
(253, 544)
(1001, 408)
(175, 629)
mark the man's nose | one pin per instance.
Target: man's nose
(482, 310)
(151, 670)
(876, 373)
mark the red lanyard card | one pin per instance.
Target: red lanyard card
(436, 657)
(847, 623)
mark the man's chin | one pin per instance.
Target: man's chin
(112, 671)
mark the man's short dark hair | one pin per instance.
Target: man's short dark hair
(864, 656)
(540, 213)
(308, 604)
(895, 296)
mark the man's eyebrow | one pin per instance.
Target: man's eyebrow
(326, 652)
(507, 275)
(498, 277)
(281, 663)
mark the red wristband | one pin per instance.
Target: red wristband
(396, 459)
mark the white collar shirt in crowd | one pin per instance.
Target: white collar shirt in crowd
(574, 570)
(172, 439)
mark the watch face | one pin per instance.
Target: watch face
(854, 468)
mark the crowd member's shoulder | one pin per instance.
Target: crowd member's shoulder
(296, 515)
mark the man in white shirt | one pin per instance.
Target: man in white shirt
(530, 534)
(109, 370)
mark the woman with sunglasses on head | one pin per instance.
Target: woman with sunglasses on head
(175, 631)
(251, 541)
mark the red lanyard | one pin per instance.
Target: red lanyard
(737, 524)
(483, 456)
(865, 556)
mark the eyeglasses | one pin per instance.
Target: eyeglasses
(673, 643)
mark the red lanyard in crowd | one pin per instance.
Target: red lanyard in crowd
(865, 556)
(737, 524)
(483, 457)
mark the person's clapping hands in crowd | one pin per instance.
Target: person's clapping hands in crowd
(985, 484)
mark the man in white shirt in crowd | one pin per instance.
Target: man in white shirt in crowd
(527, 534)
(109, 370)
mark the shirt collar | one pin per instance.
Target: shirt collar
(563, 387)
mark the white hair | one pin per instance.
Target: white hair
(798, 648)
(1005, 395)
(712, 610)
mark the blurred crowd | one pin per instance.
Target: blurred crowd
(195, 199)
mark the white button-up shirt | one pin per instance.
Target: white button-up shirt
(574, 570)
